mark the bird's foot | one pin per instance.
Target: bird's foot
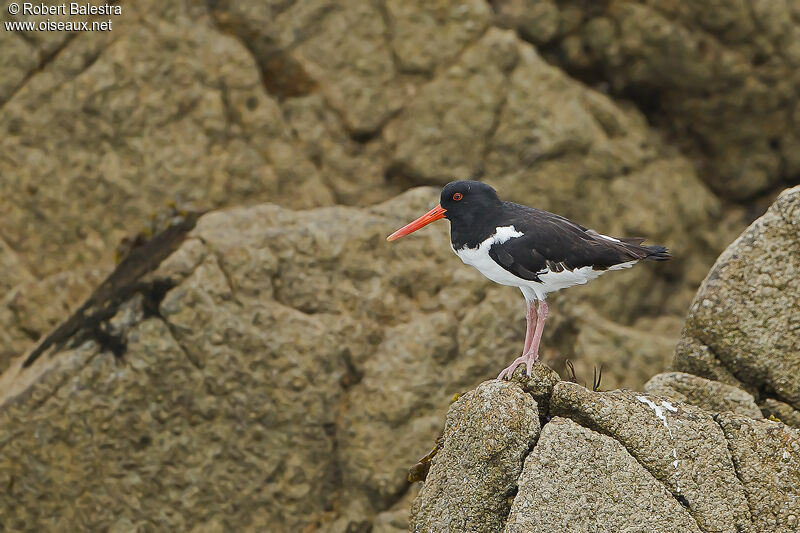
(527, 359)
(532, 357)
(509, 370)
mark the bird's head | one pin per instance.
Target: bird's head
(460, 200)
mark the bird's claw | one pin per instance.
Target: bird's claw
(509, 371)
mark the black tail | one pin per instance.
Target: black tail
(634, 246)
(656, 253)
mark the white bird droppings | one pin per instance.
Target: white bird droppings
(659, 411)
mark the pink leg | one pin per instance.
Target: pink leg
(533, 353)
(532, 320)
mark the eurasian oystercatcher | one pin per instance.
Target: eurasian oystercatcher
(519, 246)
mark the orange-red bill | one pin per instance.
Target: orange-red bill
(434, 214)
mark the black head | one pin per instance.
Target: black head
(467, 204)
(463, 199)
(471, 207)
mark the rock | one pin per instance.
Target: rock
(105, 127)
(721, 78)
(342, 46)
(387, 402)
(458, 109)
(13, 338)
(539, 384)
(767, 459)
(395, 520)
(745, 319)
(24, 52)
(535, 20)
(711, 395)
(20, 59)
(34, 307)
(355, 171)
(625, 461)
(113, 442)
(701, 361)
(472, 479)
(213, 413)
(680, 445)
(425, 35)
(14, 271)
(578, 480)
(234, 145)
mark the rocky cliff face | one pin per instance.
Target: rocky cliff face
(720, 77)
(308, 104)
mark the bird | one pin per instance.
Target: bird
(535, 250)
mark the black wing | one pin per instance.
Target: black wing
(554, 243)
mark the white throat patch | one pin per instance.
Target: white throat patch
(502, 234)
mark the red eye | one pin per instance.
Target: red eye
(458, 196)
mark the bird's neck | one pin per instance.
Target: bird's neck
(470, 231)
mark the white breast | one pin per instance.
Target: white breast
(479, 257)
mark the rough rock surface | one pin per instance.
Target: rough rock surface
(213, 416)
(13, 338)
(610, 491)
(91, 137)
(624, 461)
(100, 129)
(681, 445)
(721, 77)
(713, 396)
(767, 459)
(488, 432)
(743, 327)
